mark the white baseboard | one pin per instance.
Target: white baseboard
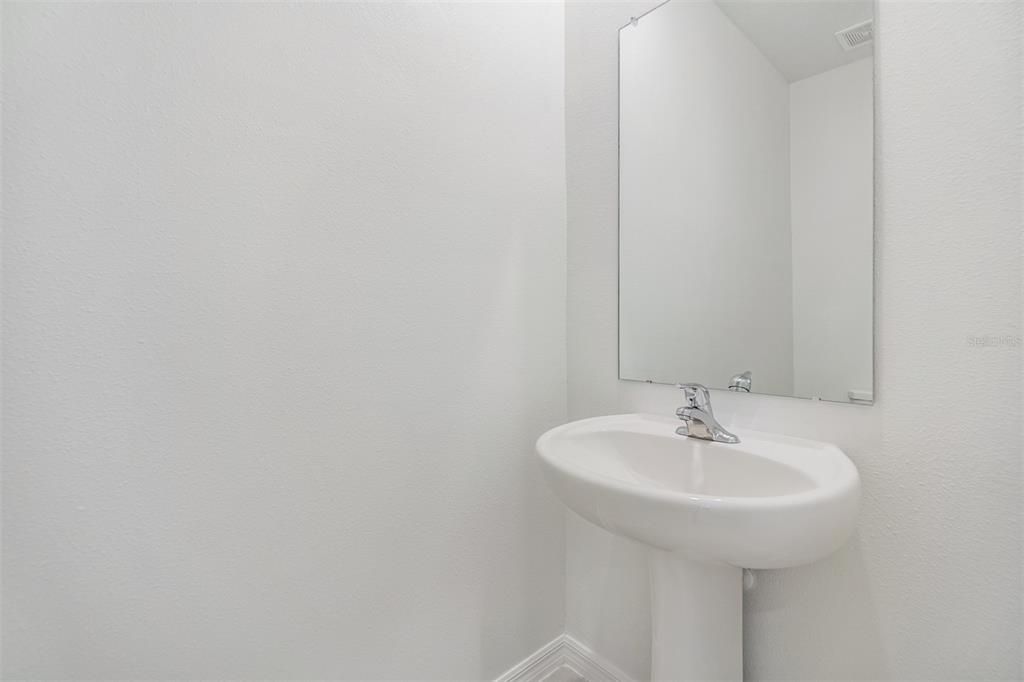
(564, 651)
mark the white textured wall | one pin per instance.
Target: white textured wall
(929, 588)
(832, 200)
(704, 198)
(284, 296)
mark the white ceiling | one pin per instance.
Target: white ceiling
(797, 36)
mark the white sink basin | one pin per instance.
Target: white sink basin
(767, 502)
(707, 510)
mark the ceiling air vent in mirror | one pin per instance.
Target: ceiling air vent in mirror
(856, 35)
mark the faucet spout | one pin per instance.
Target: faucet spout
(698, 419)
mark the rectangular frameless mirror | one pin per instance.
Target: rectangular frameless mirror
(746, 194)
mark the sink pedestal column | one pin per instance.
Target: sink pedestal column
(697, 612)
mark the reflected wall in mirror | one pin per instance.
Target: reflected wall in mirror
(746, 196)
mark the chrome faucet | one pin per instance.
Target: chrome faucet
(741, 382)
(698, 419)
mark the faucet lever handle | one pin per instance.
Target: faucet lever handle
(696, 395)
(741, 382)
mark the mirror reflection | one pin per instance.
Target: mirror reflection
(746, 197)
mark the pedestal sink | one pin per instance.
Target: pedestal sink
(707, 511)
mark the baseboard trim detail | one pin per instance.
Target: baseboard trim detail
(564, 651)
(537, 665)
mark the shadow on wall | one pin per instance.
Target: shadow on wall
(772, 603)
